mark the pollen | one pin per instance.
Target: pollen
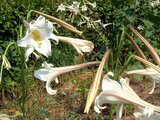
(36, 35)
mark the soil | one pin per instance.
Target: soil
(69, 102)
(68, 105)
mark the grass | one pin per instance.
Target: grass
(69, 102)
(70, 96)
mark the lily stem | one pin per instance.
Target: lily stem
(22, 105)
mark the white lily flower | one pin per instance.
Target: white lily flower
(154, 3)
(84, 8)
(45, 74)
(80, 23)
(104, 25)
(115, 93)
(152, 74)
(61, 7)
(60, 22)
(79, 44)
(50, 73)
(76, 4)
(74, 7)
(146, 114)
(4, 117)
(36, 55)
(92, 4)
(154, 70)
(98, 21)
(39, 33)
(140, 27)
(7, 65)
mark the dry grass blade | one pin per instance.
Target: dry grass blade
(150, 48)
(62, 23)
(139, 51)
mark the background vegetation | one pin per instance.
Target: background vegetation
(120, 13)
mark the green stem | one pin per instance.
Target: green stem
(112, 110)
(23, 84)
(134, 16)
(126, 63)
(5, 52)
(8, 47)
(119, 50)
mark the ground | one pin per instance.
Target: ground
(69, 102)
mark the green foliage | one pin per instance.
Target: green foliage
(137, 65)
(118, 14)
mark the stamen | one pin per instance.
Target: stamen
(36, 37)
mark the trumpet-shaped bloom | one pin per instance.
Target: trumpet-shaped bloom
(92, 4)
(146, 114)
(60, 22)
(84, 8)
(152, 74)
(61, 7)
(79, 44)
(154, 3)
(140, 27)
(152, 70)
(38, 34)
(115, 93)
(5, 64)
(74, 7)
(50, 73)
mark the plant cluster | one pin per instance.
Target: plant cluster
(49, 40)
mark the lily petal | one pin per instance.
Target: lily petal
(46, 73)
(49, 89)
(147, 114)
(153, 74)
(53, 36)
(150, 48)
(147, 63)
(124, 94)
(126, 88)
(79, 44)
(49, 73)
(44, 48)
(38, 35)
(29, 51)
(39, 21)
(108, 84)
(47, 65)
(62, 23)
(119, 111)
(42, 74)
(24, 42)
(147, 71)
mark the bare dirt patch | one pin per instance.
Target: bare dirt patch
(69, 102)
